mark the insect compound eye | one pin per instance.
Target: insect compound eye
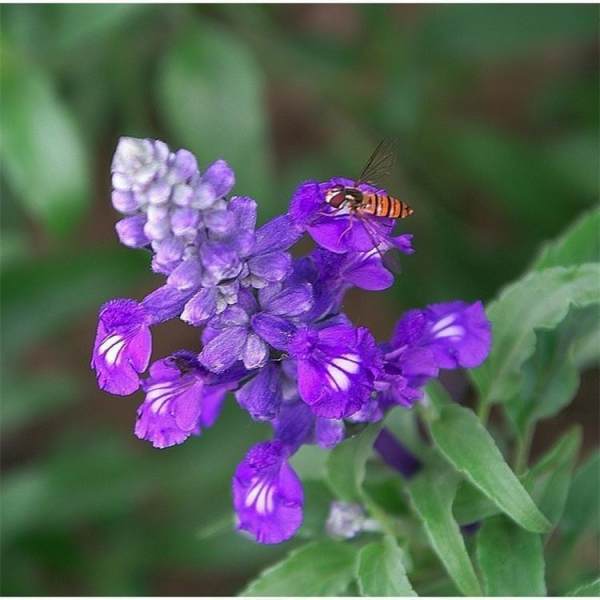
(336, 199)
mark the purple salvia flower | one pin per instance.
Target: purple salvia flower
(181, 399)
(336, 365)
(267, 494)
(329, 432)
(122, 346)
(396, 455)
(441, 336)
(262, 395)
(334, 229)
(233, 336)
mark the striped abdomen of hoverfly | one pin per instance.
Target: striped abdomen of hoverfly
(368, 203)
(382, 205)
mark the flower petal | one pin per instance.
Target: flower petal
(223, 350)
(261, 396)
(267, 494)
(122, 346)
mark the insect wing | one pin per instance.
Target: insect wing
(380, 163)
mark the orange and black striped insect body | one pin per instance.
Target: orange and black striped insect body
(367, 203)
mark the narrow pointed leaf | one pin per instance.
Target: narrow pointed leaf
(380, 570)
(317, 569)
(540, 300)
(579, 244)
(511, 559)
(41, 147)
(466, 444)
(591, 590)
(346, 464)
(432, 496)
(581, 515)
(549, 480)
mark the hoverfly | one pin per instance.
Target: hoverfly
(354, 203)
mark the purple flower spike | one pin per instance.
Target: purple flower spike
(122, 347)
(336, 368)
(181, 399)
(271, 325)
(267, 494)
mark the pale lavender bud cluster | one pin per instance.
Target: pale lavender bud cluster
(167, 200)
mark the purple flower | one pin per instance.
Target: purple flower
(169, 202)
(182, 398)
(262, 395)
(268, 262)
(396, 455)
(267, 494)
(272, 327)
(233, 335)
(336, 366)
(441, 336)
(122, 346)
(337, 230)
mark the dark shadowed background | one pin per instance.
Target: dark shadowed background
(496, 108)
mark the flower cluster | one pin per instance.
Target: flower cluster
(273, 329)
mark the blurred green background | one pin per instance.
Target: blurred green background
(496, 108)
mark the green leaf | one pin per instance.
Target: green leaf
(346, 465)
(317, 502)
(550, 380)
(310, 462)
(28, 399)
(41, 148)
(591, 589)
(380, 570)
(511, 559)
(210, 93)
(549, 480)
(317, 569)
(465, 443)
(579, 244)
(470, 505)
(432, 496)
(541, 300)
(40, 297)
(61, 491)
(581, 515)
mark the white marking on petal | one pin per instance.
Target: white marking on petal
(111, 348)
(442, 323)
(261, 496)
(341, 380)
(454, 331)
(108, 342)
(348, 362)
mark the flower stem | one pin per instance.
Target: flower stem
(522, 450)
(483, 412)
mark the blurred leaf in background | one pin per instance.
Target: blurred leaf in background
(496, 108)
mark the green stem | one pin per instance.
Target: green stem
(483, 412)
(522, 451)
